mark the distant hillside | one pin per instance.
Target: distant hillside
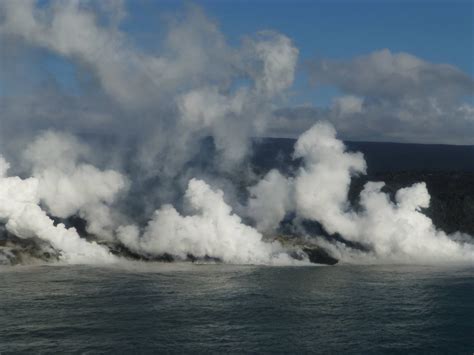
(380, 156)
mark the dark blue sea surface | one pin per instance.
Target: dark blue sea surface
(184, 308)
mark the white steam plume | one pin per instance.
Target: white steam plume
(270, 200)
(68, 187)
(322, 184)
(394, 231)
(23, 217)
(212, 230)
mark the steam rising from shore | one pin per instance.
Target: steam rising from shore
(212, 230)
(394, 231)
(23, 217)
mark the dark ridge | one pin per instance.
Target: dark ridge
(394, 157)
(277, 153)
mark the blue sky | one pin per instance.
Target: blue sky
(436, 31)
(439, 31)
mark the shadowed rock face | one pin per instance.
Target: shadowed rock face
(14, 250)
(320, 256)
(121, 250)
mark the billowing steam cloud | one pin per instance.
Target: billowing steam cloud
(145, 116)
(23, 217)
(198, 86)
(67, 187)
(211, 231)
(394, 231)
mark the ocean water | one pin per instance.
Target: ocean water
(184, 308)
